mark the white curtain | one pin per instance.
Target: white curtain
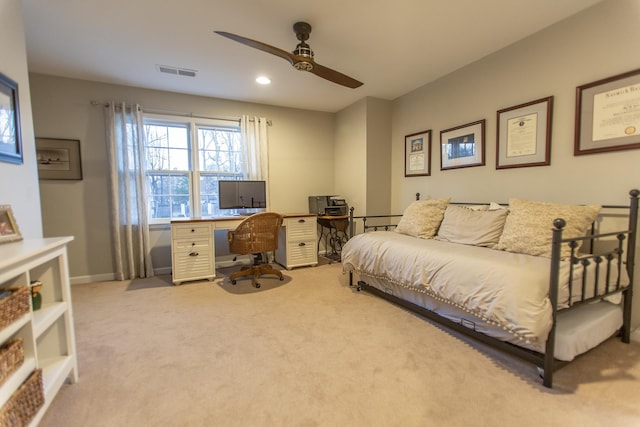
(255, 144)
(129, 219)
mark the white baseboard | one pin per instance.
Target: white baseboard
(79, 280)
(635, 335)
(161, 271)
(106, 277)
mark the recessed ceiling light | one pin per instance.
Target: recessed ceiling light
(263, 80)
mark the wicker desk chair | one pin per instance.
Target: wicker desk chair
(257, 234)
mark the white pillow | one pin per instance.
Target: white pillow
(529, 224)
(472, 227)
(422, 218)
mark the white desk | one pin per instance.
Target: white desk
(193, 244)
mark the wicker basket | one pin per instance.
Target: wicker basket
(13, 306)
(11, 358)
(24, 403)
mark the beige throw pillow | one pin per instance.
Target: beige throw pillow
(422, 218)
(527, 229)
(472, 227)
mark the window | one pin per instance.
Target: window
(184, 161)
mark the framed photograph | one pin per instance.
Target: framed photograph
(58, 158)
(8, 228)
(417, 154)
(10, 139)
(462, 146)
(608, 114)
(524, 135)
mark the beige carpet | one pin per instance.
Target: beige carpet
(310, 351)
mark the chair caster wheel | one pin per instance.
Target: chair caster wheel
(233, 282)
(282, 279)
(257, 285)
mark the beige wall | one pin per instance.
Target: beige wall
(19, 182)
(300, 157)
(595, 44)
(362, 153)
(378, 154)
(350, 154)
(598, 43)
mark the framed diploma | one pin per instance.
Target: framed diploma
(417, 154)
(608, 114)
(462, 146)
(524, 135)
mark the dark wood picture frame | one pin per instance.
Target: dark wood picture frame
(58, 158)
(10, 133)
(462, 146)
(417, 154)
(608, 114)
(523, 137)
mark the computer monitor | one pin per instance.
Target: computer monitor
(242, 195)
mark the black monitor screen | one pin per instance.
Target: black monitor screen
(242, 194)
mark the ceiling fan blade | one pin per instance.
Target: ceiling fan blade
(334, 76)
(259, 45)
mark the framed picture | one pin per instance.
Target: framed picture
(524, 135)
(462, 146)
(8, 228)
(10, 139)
(58, 158)
(608, 114)
(417, 154)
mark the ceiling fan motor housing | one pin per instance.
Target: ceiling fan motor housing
(302, 30)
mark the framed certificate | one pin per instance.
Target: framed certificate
(417, 154)
(608, 114)
(524, 135)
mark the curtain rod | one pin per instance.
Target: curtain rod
(179, 113)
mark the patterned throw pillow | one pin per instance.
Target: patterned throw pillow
(422, 218)
(529, 224)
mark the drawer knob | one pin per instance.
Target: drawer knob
(193, 231)
(193, 254)
(301, 221)
(302, 244)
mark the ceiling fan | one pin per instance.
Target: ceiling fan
(301, 58)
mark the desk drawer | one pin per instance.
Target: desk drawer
(181, 231)
(302, 253)
(184, 246)
(300, 228)
(193, 266)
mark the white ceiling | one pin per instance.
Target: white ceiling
(391, 46)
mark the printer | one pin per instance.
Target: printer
(328, 206)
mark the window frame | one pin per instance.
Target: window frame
(194, 173)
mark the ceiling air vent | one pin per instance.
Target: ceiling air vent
(176, 71)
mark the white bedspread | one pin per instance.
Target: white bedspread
(505, 289)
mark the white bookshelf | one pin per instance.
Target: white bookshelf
(48, 333)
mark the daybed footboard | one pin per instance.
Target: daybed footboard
(612, 270)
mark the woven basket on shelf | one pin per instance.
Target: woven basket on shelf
(11, 358)
(24, 403)
(13, 306)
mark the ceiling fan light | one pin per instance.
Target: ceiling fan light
(303, 66)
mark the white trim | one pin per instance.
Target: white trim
(105, 277)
